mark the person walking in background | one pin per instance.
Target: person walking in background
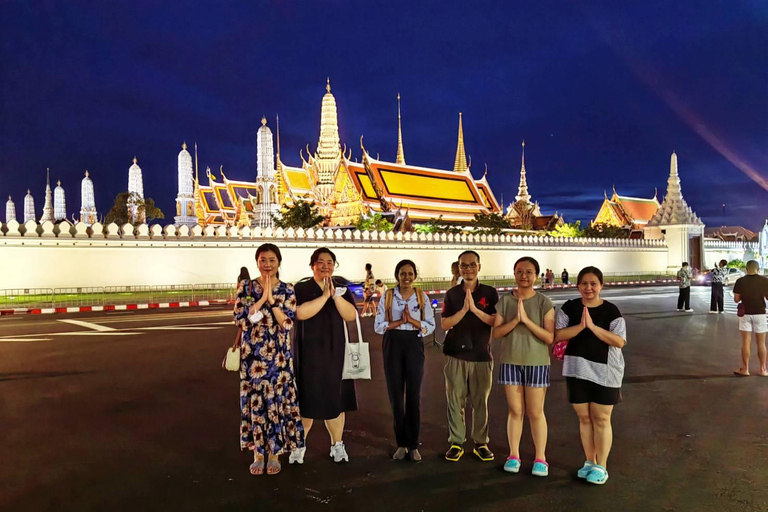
(550, 277)
(750, 292)
(369, 307)
(718, 277)
(564, 277)
(593, 367)
(404, 320)
(381, 288)
(684, 282)
(456, 278)
(320, 348)
(469, 311)
(525, 324)
(270, 418)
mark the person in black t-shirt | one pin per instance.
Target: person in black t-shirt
(593, 367)
(752, 290)
(469, 311)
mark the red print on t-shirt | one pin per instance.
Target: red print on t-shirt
(483, 303)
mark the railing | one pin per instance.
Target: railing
(41, 298)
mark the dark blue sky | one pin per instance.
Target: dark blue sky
(602, 93)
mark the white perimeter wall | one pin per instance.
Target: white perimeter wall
(67, 261)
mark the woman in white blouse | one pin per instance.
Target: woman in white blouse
(404, 318)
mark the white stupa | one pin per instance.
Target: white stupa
(48, 206)
(185, 199)
(267, 203)
(59, 203)
(29, 207)
(10, 210)
(136, 188)
(87, 201)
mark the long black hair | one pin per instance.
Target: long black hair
(244, 274)
(590, 270)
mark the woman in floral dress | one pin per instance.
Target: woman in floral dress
(270, 420)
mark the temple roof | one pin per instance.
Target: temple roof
(731, 233)
(640, 210)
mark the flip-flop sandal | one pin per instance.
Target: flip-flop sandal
(257, 468)
(273, 467)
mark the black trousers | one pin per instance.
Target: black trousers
(684, 299)
(717, 297)
(404, 371)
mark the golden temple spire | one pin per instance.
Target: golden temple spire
(522, 189)
(281, 190)
(196, 175)
(400, 153)
(460, 165)
(328, 84)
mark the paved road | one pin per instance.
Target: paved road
(131, 411)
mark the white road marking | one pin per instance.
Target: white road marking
(22, 340)
(178, 328)
(89, 325)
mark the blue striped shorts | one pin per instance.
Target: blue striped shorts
(528, 376)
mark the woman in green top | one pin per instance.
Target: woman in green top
(525, 324)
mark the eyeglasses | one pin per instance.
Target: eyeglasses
(465, 266)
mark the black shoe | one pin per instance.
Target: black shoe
(454, 453)
(483, 453)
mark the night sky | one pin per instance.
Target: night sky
(602, 93)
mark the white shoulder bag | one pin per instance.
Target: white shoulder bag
(357, 358)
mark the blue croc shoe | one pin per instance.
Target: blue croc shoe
(598, 475)
(585, 469)
(540, 468)
(512, 465)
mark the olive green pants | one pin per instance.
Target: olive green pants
(467, 379)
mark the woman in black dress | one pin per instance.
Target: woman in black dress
(320, 345)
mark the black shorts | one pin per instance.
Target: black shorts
(583, 391)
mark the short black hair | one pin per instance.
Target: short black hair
(529, 259)
(316, 255)
(378, 281)
(723, 263)
(368, 266)
(590, 270)
(469, 252)
(685, 263)
(403, 263)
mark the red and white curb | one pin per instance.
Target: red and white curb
(199, 303)
(112, 307)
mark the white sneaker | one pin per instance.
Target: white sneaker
(680, 309)
(297, 456)
(721, 312)
(689, 311)
(713, 312)
(339, 453)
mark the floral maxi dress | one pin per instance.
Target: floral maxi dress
(270, 418)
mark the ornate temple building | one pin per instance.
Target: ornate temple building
(87, 201)
(525, 215)
(343, 189)
(631, 213)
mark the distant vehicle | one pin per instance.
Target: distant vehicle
(733, 274)
(355, 288)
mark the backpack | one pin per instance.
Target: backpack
(389, 296)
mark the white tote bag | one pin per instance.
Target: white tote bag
(357, 358)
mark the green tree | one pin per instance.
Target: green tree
(601, 230)
(302, 214)
(491, 223)
(375, 222)
(570, 230)
(737, 264)
(437, 226)
(120, 213)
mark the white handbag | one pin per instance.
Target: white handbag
(231, 361)
(357, 358)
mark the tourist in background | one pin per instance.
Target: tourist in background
(593, 367)
(369, 307)
(381, 288)
(456, 278)
(320, 349)
(550, 277)
(684, 282)
(404, 317)
(564, 277)
(718, 278)
(469, 311)
(751, 291)
(525, 324)
(270, 419)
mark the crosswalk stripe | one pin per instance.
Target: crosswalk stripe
(89, 325)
